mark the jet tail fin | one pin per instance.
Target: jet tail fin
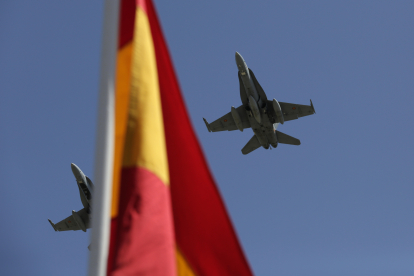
(251, 145)
(286, 139)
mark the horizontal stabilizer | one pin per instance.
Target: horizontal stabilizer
(251, 145)
(286, 139)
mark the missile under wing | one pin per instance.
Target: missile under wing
(80, 220)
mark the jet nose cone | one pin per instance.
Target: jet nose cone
(76, 171)
(79, 175)
(238, 57)
(239, 60)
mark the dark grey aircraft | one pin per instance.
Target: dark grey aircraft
(258, 113)
(80, 220)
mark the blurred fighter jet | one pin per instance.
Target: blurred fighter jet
(258, 113)
(80, 220)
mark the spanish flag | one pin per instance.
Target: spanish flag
(157, 210)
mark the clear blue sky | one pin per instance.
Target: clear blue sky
(339, 204)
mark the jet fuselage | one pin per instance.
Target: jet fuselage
(260, 122)
(246, 78)
(85, 187)
(258, 113)
(80, 220)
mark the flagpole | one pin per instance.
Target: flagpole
(104, 150)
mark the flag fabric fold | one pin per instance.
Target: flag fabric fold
(167, 216)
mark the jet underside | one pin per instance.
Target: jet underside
(258, 113)
(80, 220)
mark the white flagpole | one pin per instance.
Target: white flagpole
(101, 205)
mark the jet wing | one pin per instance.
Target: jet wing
(69, 223)
(294, 111)
(227, 122)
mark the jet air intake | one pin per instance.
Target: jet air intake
(278, 111)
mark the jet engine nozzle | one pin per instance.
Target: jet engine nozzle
(255, 109)
(278, 111)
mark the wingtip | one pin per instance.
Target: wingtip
(207, 125)
(53, 225)
(314, 112)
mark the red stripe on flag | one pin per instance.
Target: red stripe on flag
(144, 241)
(203, 229)
(126, 22)
(112, 239)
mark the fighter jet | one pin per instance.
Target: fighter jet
(258, 113)
(80, 220)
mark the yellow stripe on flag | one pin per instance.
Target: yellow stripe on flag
(145, 140)
(123, 84)
(183, 268)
